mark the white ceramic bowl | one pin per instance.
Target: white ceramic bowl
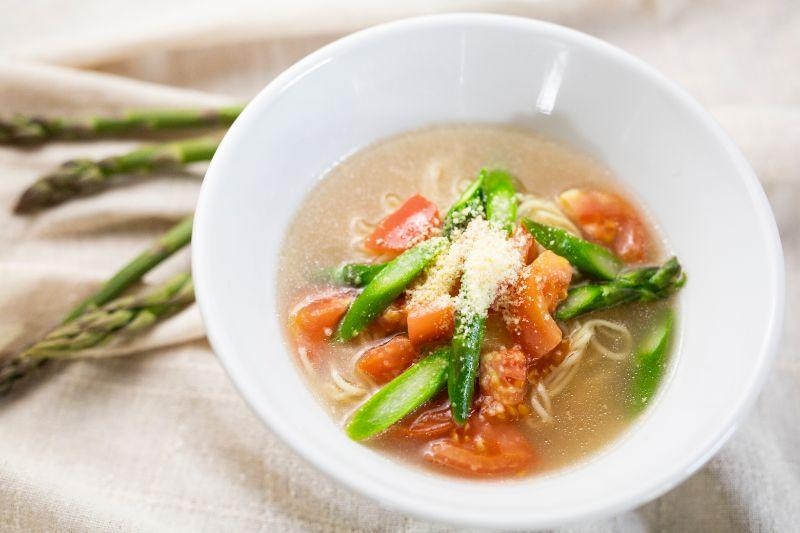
(484, 68)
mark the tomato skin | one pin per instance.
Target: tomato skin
(428, 324)
(431, 422)
(415, 220)
(388, 360)
(483, 448)
(316, 319)
(544, 285)
(608, 219)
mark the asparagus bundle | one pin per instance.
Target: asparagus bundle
(82, 177)
(166, 245)
(124, 316)
(97, 318)
(33, 129)
(641, 285)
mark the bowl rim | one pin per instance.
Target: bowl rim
(648, 491)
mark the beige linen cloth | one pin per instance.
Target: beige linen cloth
(160, 440)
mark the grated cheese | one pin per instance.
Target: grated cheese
(493, 261)
(434, 290)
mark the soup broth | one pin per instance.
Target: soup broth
(572, 408)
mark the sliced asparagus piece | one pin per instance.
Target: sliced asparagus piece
(465, 360)
(175, 239)
(125, 315)
(650, 362)
(387, 285)
(401, 396)
(468, 206)
(34, 129)
(355, 274)
(82, 177)
(640, 285)
(589, 258)
(500, 198)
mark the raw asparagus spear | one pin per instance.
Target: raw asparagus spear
(401, 396)
(650, 362)
(387, 285)
(640, 285)
(175, 239)
(500, 198)
(468, 206)
(355, 274)
(591, 259)
(82, 177)
(125, 315)
(34, 129)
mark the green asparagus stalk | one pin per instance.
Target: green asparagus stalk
(464, 363)
(468, 206)
(354, 274)
(82, 177)
(500, 198)
(470, 327)
(401, 396)
(175, 239)
(387, 285)
(125, 315)
(35, 129)
(641, 285)
(650, 362)
(589, 258)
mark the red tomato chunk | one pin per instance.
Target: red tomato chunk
(544, 285)
(609, 220)
(483, 448)
(431, 422)
(386, 361)
(413, 222)
(503, 379)
(316, 320)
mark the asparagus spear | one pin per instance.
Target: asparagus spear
(82, 177)
(500, 198)
(641, 285)
(125, 315)
(649, 362)
(34, 129)
(401, 396)
(175, 239)
(591, 259)
(387, 285)
(465, 359)
(468, 206)
(501, 212)
(354, 274)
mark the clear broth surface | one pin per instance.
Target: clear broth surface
(435, 162)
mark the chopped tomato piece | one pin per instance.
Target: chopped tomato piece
(317, 318)
(427, 324)
(483, 447)
(608, 219)
(432, 422)
(524, 242)
(386, 361)
(503, 381)
(413, 222)
(553, 274)
(544, 285)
